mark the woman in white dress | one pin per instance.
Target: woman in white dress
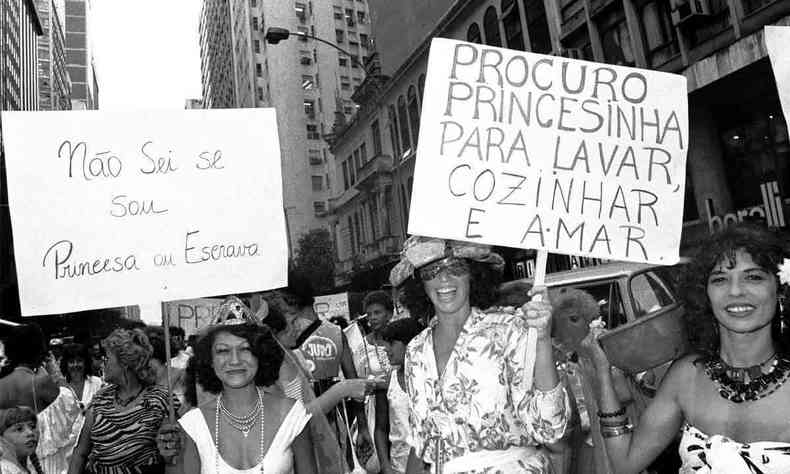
(245, 429)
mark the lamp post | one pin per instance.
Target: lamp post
(275, 34)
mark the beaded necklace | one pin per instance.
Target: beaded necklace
(760, 384)
(257, 410)
(241, 423)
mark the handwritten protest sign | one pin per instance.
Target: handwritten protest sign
(329, 306)
(122, 208)
(192, 315)
(531, 151)
(777, 38)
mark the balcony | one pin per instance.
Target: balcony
(379, 164)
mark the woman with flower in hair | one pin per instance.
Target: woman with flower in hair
(471, 409)
(119, 434)
(728, 398)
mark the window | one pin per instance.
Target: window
(355, 62)
(339, 36)
(319, 207)
(373, 218)
(511, 21)
(363, 152)
(491, 28)
(305, 58)
(301, 11)
(253, 3)
(301, 31)
(258, 69)
(260, 93)
(414, 114)
(421, 86)
(309, 108)
(351, 234)
(307, 82)
(352, 172)
(375, 132)
(317, 182)
(473, 34)
(346, 180)
(660, 35)
(616, 42)
(356, 80)
(358, 230)
(257, 46)
(364, 40)
(357, 160)
(342, 60)
(403, 119)
(255, 23)
(338, 13)
(538, 26)
(610, 303)
(314, 157)
(348, 110)
(392, 127)
(650, 293)
(349, 17)
(361, 18)
(344, 83)
(312, 132)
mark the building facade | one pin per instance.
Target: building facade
(739, 154)
(309, 83)
(79, 56)
(53, 76)
(21, 28)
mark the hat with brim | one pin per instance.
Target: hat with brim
(419, 251)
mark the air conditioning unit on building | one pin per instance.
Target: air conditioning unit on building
(573, 53)
(687, 10)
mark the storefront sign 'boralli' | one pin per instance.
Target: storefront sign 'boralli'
(532, 151)
(121, 208)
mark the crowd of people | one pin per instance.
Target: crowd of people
(270, 387)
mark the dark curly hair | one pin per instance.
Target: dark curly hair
(263, 346)
(483, 283)
(73, 352)
(767, 247)
(403, 330)
(377, 297)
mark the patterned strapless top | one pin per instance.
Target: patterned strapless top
(704, 454)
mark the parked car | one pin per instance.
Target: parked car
(639, 304)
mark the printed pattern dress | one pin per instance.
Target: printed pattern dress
(703, 454)
(124, 441)
(480, 403)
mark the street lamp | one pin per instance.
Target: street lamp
(275, 34)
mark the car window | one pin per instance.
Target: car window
(650, 293)
(610, 304)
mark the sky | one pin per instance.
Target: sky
(146, 52)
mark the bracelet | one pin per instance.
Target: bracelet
(613, 424)
(611, 414)
(615, 432)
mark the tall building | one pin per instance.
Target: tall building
(739, 152)
(53, 76)
(79, 56)
(216, 55)
(21, 29)
(309, 83)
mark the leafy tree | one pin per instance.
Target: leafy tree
(315, 258)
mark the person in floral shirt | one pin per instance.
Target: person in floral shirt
(470, 408)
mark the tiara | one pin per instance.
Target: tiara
(233, 312)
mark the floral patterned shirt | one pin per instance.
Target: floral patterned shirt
(480, 402)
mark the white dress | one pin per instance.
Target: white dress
(278, 459)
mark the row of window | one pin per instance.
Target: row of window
(353, 163)
(349, 16)
(365, 225)
(511, 27)
(404, 120)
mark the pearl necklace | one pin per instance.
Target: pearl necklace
(241, 423)
(256, 410)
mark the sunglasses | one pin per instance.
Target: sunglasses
(454, 267)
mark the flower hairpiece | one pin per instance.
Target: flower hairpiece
(784, 272)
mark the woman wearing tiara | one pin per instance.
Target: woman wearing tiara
(245, 429)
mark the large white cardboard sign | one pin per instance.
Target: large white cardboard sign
(122, 208)
(330, 306)
(193, 315)
(777, 39)
(531, 151)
